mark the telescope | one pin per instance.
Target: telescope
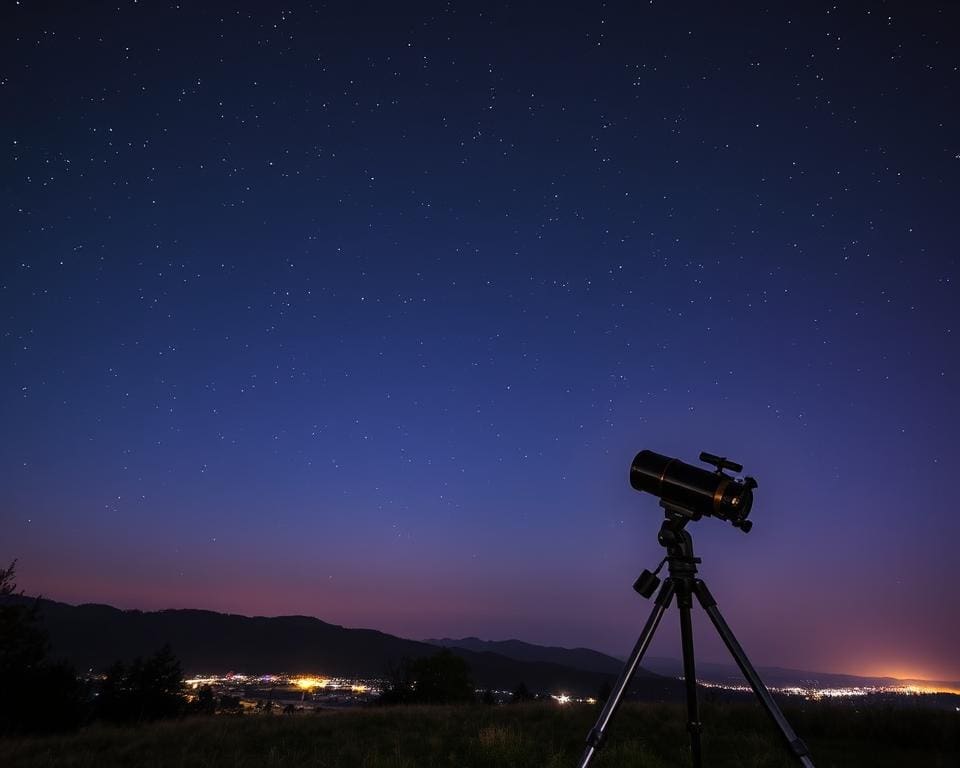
(692, 492)
(688, 493)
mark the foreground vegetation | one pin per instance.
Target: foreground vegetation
(475, 736)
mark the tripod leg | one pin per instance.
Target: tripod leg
(595, 737)
(694, 726)
(710, 606)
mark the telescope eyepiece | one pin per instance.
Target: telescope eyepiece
(695, 492)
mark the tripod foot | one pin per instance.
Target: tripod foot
(595, 737)
(795, 743)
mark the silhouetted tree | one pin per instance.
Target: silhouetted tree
(148, 689)
(204, 703)
(398, 685)
(487, 697)
(24, 645)
(521, 693)
(442, 678)
(38, 694)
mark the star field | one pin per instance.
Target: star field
(362, 310)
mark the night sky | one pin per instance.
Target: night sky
(362, 312)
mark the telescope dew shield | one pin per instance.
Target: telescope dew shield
(694, 491)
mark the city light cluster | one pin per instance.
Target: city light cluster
(303, 691)
(563, 698)
(812, 693)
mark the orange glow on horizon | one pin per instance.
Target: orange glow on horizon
(932, 688)
(309, 683)
(915, 680)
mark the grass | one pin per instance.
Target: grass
(546, 736)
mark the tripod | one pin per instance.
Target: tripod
(683, 582)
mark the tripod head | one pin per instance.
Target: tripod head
(679, 545)
(689, 493)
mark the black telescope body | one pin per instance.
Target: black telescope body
(694, 492)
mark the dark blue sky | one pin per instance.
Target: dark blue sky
(361, 311)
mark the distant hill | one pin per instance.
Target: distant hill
(577, 658)
(727, 674)
(784, 677)
(94, 636)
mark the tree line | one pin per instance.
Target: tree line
(42, 694)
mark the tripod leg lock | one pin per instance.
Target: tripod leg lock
(595, 738)
(799, 748)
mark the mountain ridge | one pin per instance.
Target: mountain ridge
(721, 673)
(94, 635)
(579, 658)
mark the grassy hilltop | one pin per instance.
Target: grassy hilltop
(541, 735)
